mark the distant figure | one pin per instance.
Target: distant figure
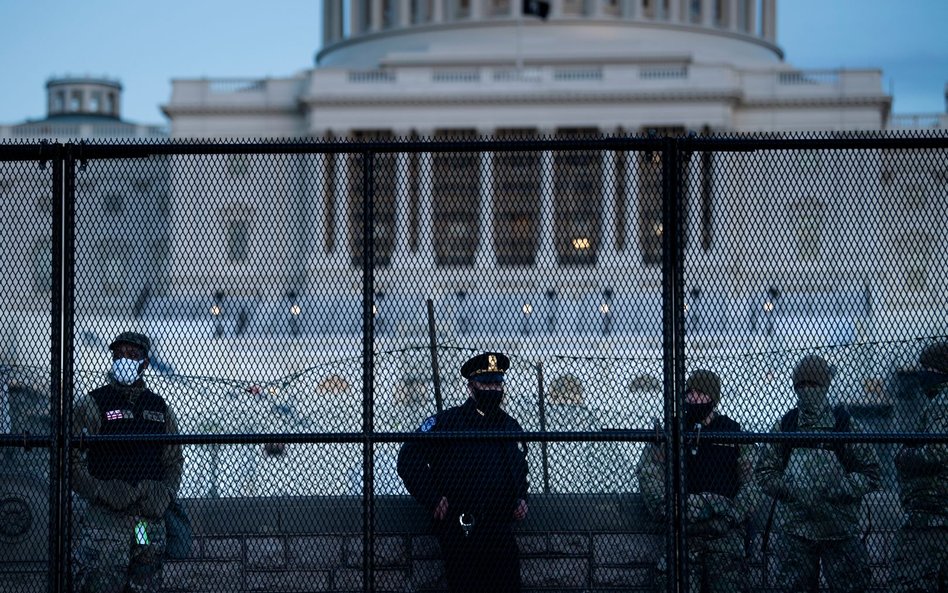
(474, 490)
(120, 538)
(920, 553)
(720, 489)
(818, 488)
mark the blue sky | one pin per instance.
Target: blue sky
(147, 44)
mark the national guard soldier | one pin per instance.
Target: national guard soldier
(474, 490)
(818, 488)
(126, 485)
(720, 489)
(920, 554)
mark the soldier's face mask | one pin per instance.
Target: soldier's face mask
(811, 398)
(126, 370)
(698, 406)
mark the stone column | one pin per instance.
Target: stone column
(707, 13)
(607, 247)
(732, 15)
(402, 210)
(769, 20)
(355, 8)
(556, 8)
(597, 10)
(632, 206)
(477, 10)
(426, 253)
(692, 180)
(437, 7)
(485, 244)
(375, 16)
(341, 211)
(404, 13)
(752, 18)
(329, 10)
(638, 9)
(317, 248)
(546, 255)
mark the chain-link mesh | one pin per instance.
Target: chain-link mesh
(309, 309)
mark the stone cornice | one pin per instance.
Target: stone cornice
(542, 97)
(224, 109)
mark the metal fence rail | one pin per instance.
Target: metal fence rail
(310, 304)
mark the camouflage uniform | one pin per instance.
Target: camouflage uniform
(716, 524)
(124, 489)
(920, 553)
(819, 490)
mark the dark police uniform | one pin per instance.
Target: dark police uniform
(483, 482)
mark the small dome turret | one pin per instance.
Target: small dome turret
(73, 95)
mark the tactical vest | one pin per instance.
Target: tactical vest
(841, 423)
(130, 461)
(713, 467)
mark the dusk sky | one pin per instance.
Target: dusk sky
(146, 45)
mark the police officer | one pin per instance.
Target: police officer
(819, 488)
(127, 486)
(920, 555)
(474, 490)
(720, 488)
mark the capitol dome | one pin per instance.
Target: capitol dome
(376, 33)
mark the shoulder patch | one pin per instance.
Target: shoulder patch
(428, 424)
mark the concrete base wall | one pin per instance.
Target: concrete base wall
(569, 543)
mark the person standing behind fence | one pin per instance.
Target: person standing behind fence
(819, 488)
(474, 490)
(720, 490)
(920, 554)
(120, 535)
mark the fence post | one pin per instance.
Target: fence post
(433, 345)
(673, 349)
(543, 444)
(368, 373)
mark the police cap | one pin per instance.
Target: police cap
(488, 367)
(133, 338)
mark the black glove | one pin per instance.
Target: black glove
(154, 498)
(118, 495)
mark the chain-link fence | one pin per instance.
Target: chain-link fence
(310, 305)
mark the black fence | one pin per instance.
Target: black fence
(310, 305)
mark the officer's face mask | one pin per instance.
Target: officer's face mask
(126, 370)
(488, 400)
